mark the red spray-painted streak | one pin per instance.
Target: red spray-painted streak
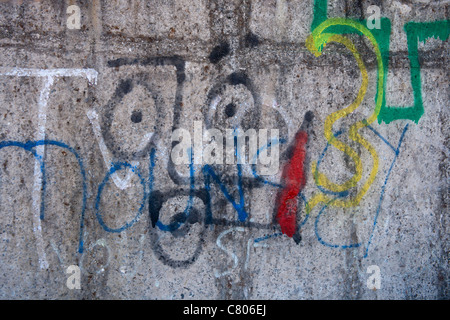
(294, 180)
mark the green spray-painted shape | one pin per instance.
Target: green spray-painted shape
(320, 13)
(415, 32)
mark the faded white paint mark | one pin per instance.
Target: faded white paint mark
(102, 243)
(55, 248)
(90, 74)
(37, 184)
(280, 16)
(284, 115)
(247, 259)
(212, 109)
(252, 243)
(263, 245)
(230, 253)
(124, 183)
(49, 75)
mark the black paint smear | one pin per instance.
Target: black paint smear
(125, 87)
(230, 110)
(297, 237)
(250, 118)
(179, 65)
(309, 116)
(156, 201)
(136, 116)
(176, 61)
(307, 120)
(251, 40)
(219, 52)
(122, 62)
(244, 224)
(237, 78)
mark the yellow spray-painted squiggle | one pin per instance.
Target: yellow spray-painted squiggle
(320, 178)
(315, 43)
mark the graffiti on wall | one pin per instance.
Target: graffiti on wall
(214, 186)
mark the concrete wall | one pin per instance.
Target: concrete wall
(87, 178)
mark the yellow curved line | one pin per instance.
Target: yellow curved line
(320, 178)
(315, 43)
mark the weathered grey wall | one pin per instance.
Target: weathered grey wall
(73, 101)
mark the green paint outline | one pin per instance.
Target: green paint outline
(415, 32)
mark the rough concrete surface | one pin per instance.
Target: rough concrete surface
(358, 205)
